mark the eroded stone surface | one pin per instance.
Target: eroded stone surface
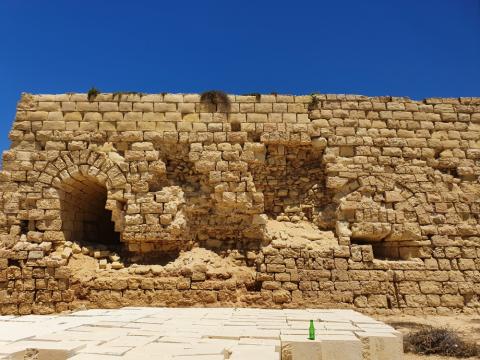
(271, 201)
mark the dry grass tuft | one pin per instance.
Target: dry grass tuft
(439, 341)
(92, 93)
(216, 100)
(214, 97)
(313, 105)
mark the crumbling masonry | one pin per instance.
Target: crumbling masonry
(271, 200)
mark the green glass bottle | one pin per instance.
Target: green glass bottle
(311, 331)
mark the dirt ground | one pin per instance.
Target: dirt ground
(466, 326)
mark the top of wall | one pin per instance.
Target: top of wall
(266, 98)
(269, 119)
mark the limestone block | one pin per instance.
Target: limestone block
(335, 347)
(133, 219)
(275, 268)
(166, 219)
(342, 229)
(73, 116)
(324, 347)
(345, 131)
(298, 347)
(54, 125)
(336, 182)
(36, 254)
(49, 106)
(281, 296)
(84, 106)
(466, 264)
(402, 115)
(113, 116)
(173, 98)
(36, 115)
(405, 232)
(449, 300)
(173, 116)
(319, 143)
(342, 252)
(393, 196)
(367, 253)
(370, 231)
(143, 106)
(107, 126)
(149, 117)
(256, 118)
(55, 145)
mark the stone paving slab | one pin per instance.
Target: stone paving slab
(200, 333)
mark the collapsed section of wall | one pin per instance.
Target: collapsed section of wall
(263, 200)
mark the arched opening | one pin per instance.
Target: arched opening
(84, 216)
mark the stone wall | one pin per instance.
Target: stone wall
(170, 200)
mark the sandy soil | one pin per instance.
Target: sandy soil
(467, 327)
(85, 268)
(221, 266)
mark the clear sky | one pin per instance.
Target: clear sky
(415, 48)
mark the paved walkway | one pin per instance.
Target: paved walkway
(198, 333)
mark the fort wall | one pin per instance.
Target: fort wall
(263, 200)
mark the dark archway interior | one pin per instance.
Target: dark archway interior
(84, 217)
(383, 250)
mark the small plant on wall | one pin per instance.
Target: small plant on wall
(92, 93)
(216, 98)
(313, 105)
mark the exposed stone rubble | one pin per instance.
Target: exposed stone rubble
(199, 333)
(271, 200)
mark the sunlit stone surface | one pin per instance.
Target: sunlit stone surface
(199, 333)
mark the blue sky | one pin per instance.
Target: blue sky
(416, 48)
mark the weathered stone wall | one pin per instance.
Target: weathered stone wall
(133, 180)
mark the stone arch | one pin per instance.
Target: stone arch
(369, 217)
(84, 216)
(90, 191)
